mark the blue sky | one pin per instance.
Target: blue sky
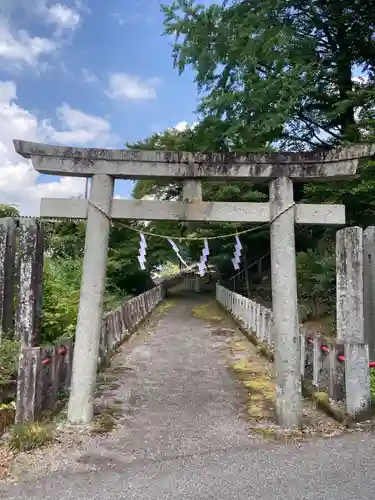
(92, 73)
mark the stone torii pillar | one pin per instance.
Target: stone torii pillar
(281, 170)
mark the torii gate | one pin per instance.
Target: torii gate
(281, 170)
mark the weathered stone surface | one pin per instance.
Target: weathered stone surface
(203, 211)
(369, 288)
(349, 284)
(29, 304)
(28, 384)
(59, 160)
(357, 381)
(88, 331)
(7, 261)
(10, 278)
(350, 320)
(285, 305)
(3, 240)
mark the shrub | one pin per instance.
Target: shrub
(26, 437)
(62, 280)
(9, 351)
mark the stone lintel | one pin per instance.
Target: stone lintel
(205, 211)
(337, 164)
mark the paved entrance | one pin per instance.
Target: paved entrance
(182, 434)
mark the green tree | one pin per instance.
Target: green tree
(8, 211)
(279, 68)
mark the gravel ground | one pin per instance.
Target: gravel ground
(182, 433)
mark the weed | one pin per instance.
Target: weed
(29, 436)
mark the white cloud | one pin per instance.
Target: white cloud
(17, 178)
(20, 47)
(81, 128)
(182, 126)
(64, 17)
(129, 87)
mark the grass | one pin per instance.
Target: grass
(255, 375)
(30, 436)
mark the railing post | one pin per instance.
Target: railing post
(350, 322)
(28, 384)
(29, 300)
(7, 275)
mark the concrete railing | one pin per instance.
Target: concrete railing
(44, 373)
(323, 364)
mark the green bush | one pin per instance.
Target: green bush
(9, 351)
(62, 280)
(62, 283)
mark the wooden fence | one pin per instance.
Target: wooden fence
(323, 363)
(44, 373)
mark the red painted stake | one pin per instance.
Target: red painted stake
(61, 351)
(340, 357)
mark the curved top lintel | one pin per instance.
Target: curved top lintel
(338, 163)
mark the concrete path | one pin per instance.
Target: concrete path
(182, 436)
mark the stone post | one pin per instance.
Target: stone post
(30, 288)
(28, 384)
(369, 288)
(7, 277)
(3, 266)
(10, 277)
(86, 349)
(350, 321)
(285, 306)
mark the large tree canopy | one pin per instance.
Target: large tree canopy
(280, 70)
